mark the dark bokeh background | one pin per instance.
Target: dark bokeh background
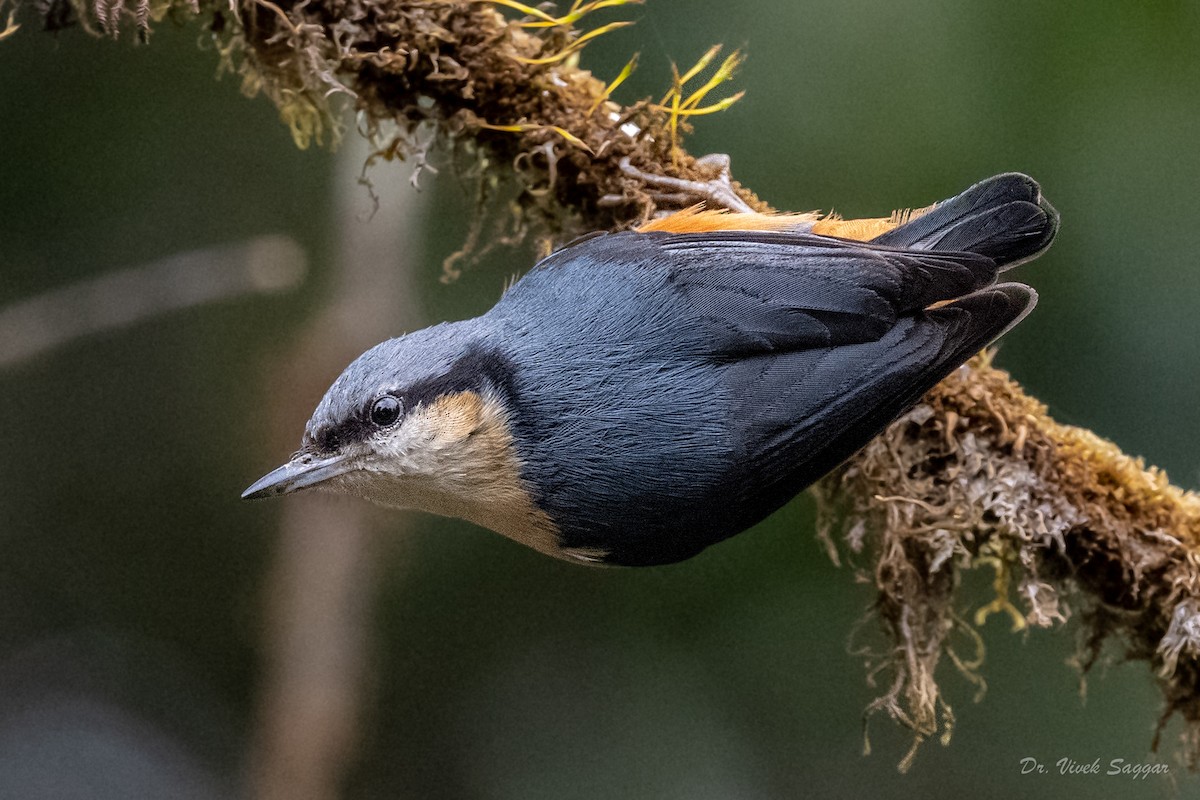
(132, 578)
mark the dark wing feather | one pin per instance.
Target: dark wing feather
(825, 342)
(800, 414)
(1004, 218)
(778, 292)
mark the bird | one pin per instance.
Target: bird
(640, 395)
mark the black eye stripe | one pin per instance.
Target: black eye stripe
(470, 372)
(475, 369)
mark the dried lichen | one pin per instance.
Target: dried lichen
(505, 91)
(977, 475)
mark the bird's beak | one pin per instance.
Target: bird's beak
(299, 473)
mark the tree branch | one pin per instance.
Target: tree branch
(36, 325)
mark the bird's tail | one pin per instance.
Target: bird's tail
(1004, 218)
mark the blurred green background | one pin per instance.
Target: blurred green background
(133, 582)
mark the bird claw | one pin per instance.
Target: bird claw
(715, 192)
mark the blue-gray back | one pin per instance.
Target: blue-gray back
(674, 389)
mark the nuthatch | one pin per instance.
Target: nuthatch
(641, 395)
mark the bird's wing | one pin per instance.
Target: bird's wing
(825, 341)
(798, 414)
(764, 292)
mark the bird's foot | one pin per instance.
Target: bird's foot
(716, 192)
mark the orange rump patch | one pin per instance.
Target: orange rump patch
(858, 229)
(697, 219)
(863, 230)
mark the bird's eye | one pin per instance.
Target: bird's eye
(385, 411)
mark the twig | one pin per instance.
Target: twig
(119, 299)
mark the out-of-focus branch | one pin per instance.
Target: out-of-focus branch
(977, 475)
(320, 588)
(35, 325)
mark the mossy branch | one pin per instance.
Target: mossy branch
(979, 475)
(976, 475)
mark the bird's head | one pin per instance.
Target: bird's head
(423, 421)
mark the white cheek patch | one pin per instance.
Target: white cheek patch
(414, 447)
(455, 457)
